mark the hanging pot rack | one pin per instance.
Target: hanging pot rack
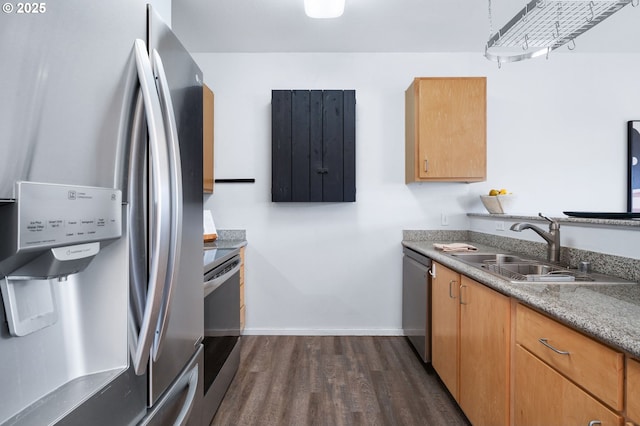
(544, 25)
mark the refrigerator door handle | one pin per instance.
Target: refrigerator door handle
(189, 381)
(185, 412)
(137, 213)
(158, 208)
(175, 168)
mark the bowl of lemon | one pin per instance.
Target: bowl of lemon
(498, 201)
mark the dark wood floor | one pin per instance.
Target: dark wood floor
(326, 380)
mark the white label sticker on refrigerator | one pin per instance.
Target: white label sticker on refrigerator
(52, 215)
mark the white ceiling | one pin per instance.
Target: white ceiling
(371, 26)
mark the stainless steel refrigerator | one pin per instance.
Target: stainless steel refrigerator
(101, 318)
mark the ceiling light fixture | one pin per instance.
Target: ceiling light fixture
(324, 8)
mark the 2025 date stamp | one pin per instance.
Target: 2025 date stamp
(24, 8)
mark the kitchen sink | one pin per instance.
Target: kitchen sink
(536, 272)
(488, 257)
(519, 269)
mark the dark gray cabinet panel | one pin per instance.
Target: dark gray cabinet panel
(281, 146)
(313, 145)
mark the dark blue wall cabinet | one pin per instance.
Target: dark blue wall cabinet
(313, 145)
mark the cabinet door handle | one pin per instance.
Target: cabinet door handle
(595, 422)
(426, 165)
(461, 287)
(451, 296)
(544, 342)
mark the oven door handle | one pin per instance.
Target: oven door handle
(211, 285)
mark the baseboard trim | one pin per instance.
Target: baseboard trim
(322, 332)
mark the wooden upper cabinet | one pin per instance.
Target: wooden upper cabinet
(446, 136)
(207, 139)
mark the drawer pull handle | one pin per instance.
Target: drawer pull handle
(451, 296)
(595, 422)
(544, 342)
(461, 287)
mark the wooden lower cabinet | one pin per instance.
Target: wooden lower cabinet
(633, 390)
(242, 307)
(588, 363)
(547, 374)
(470, 326)
(544, 397)
(445, 287)
(484, 354)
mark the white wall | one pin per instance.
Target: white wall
(556, 138)
(163, 7)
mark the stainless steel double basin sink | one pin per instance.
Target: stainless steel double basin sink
(518, 269)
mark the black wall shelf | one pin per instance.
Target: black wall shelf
(243, 180)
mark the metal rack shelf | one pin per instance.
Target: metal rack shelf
(544, 25)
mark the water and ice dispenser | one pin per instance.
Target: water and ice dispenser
(49, 232)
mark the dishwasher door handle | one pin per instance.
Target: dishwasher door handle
(211, 285)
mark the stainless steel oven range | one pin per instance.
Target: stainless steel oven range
(221, 325)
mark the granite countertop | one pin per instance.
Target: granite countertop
(218, 243)
(228, 239)
(621, 223)
(609, 313)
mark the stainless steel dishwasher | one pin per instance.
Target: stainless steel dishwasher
(416, 301)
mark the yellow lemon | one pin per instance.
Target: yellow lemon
(494, 192)
(503, 191)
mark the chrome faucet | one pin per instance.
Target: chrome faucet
(552, 237)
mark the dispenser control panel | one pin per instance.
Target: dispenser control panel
(51, 215)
